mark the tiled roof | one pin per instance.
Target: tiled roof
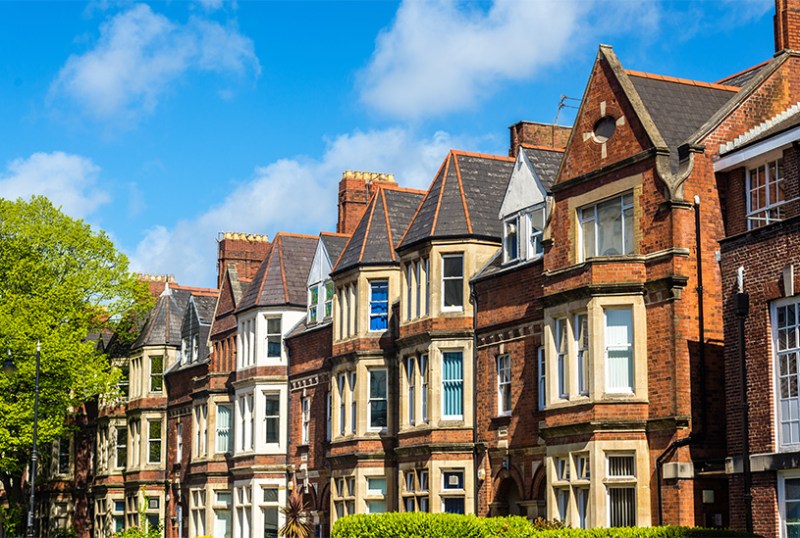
(205, 307)
(163, 324)
(334, 244)
(463, 200)
(281, 278)
(743, 77)
(679, 107)
(386, 218)
(545, 162)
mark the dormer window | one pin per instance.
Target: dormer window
(320, 301)
(535, 232)
(313, 301)
(328, 299)
(511, 240)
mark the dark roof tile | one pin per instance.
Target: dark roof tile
(545, 162)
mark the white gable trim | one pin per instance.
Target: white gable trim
(320, 266)
(524, 188)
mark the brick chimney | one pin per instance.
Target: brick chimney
(156, 283)
(247, 251)
(532, 133)
(354, 193)
(787, 25)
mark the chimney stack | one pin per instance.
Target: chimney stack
(246, 251)
(530, 133)
(787, 25)
(354, 194)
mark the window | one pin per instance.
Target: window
(376, 487)
(418, 279)
(561, 361)
(582, 467)
(452, 385)
(766, 194)
(411, 400)
(179, 442)
(504, 385)
(606, 229)
(562, 469)
(198, 512)
(313, 302)
(409, 290)
(562, 502)
(243, 514)
(272, 408)
(409, 501)
(224, 427)
(453, 281)
(305, 411)
(201, 430)
(377, 399)
(156, 373)
(453, 482)
(422, 489)
(786, 337)
(621, 489)
(423, 374)
(328, 429)
(619, 349)
(195, 348)
(427, 286)
(789, 497)
(582, 500)
(510, 240)
(328, 299)
(542, 385)
(274, 338)
(581, 329)
(269, 509)
(119, 516)
(246, 419)
(63, 456)
(121, 448)
(353, 414)
(341, 404)
(379, 305)
(536, 229)
(222, 514)
(154, 441)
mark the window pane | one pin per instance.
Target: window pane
(453, 505)
(453, 480)
(376, 486)
(609, 228)
(377, 384)
(271, 522)
(622, 507)
(587, 229)
(379, 306)
(452, 384)
(453, 266)
(453, 293)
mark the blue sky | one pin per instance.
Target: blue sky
(166, 123)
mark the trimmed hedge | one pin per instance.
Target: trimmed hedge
(423, 525)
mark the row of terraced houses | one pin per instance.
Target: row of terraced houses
(553, 332)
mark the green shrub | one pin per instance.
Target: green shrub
(423, 525)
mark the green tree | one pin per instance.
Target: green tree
(60, 281)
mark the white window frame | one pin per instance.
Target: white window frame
(305, 413)
(617, 482)
(418, 287)
(409, 290)
(372, 284)
(445, 278)
(313, 306)
(542, 378)
(503, 370)
(411, 396)
(631, 389)
(159, 440)
(766, 167)
(424, 374)
(777, 355)
(582, 351)
(533, 245)
(268, 335)
(353, 379)
(562, 356)
(514, 222)
(582, 219)
(385, 399)
(782, 477)
(272, 395)
(341, 380)
(461, 381)
(226, 429)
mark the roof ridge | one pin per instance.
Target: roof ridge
(441, 193)
(194, 288)
(292, 234)
(388, 224)
(743, 71)
(758, 129)
(463, 196)
(544, 148)
(689, 82)
(335, 234)
(396, 187)
(481, 155)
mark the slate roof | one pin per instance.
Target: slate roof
(679, 107)
(386, 218)
(281, 278)
(545, 162)
(463, 200)
(334, 244)
(743, 77)
(205, 307)
(163, 324)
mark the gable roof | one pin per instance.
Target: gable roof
(679, 107)
(281, 278)
(163, 324)
(545, 162)
(386, 218)
(463, 200)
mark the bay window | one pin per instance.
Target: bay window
(353, 413)
(270, 506)
(274, 337)
(328, 306)
(606, 228)
(766, 193)
(452, 385)
(786, 343)
(313, 303)
(423, 374)
(340, 388)
(272, 410)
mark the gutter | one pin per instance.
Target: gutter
(473, 297)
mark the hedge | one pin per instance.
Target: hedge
(423, 525)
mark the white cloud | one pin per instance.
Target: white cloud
(293, 195)
(443, 55)
(140, 54)
(67, 180)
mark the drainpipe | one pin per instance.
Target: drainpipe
(742, 309)
(697, 434)
(473, 297)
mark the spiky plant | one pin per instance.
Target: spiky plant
(294, 511)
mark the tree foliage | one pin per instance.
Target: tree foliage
(60, 283)
(295, 512)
